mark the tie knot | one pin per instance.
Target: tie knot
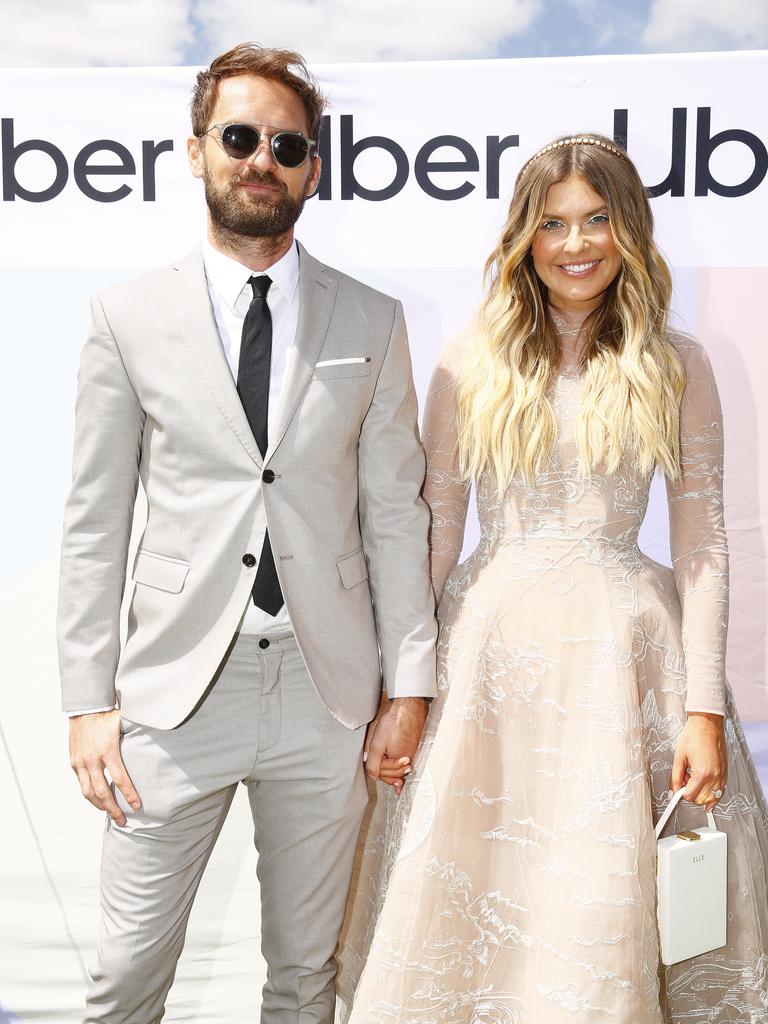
(260, 286)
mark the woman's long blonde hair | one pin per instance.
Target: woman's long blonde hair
(633, 380)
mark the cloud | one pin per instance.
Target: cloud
(348, 30)
(77, 33)
(602, 25)
(707, 25)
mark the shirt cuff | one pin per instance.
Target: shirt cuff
(89, 711)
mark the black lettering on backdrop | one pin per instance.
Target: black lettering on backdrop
(86, 171)
(423, 166)
(324, 152)
(83, 169)
(150, 151)
(350, 150)
(11, 153)
(706, 144)
(494, 147)
(674, 183)
(620, 118)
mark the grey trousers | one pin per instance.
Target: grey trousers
(262, 724)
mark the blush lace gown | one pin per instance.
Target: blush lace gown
(514, 880)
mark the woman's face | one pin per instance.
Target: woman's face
(573, 250)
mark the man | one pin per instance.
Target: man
(265, 402)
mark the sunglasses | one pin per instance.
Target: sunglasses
(239, 141)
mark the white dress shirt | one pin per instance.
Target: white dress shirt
(231, 296)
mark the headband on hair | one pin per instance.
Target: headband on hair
(576, 140)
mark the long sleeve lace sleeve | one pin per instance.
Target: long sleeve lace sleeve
(697, 534)
(446, 493)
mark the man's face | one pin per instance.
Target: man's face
(255, 196)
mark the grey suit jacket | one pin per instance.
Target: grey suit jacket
(157, 402)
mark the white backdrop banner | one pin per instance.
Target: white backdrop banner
(419, 163)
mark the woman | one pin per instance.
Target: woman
(579, 680)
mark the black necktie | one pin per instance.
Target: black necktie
(253, 388)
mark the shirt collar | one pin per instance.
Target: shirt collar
(228, 277)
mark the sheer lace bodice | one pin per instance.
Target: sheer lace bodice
(598, 518)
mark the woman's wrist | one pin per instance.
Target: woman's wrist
(708, 716)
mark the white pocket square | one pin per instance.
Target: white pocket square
(343, 362)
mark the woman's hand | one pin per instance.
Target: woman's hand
(391, 770)
(701, 763)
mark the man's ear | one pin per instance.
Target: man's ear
(196, 156)
(313, 180)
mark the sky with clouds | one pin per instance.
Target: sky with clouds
(55, 33)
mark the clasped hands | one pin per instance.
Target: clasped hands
(392, 739)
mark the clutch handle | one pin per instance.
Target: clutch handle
(678, 796)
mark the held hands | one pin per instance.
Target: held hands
(393, 738)
(94, 744)
(701, 763)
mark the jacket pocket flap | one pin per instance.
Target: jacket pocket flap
(353, 569)
(160, 571)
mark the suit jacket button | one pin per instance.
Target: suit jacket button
(268, 476)
(263, 643)
(249, 560)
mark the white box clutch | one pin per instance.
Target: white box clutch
(692, 884)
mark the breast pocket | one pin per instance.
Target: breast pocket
(333, 370)
(160, 571)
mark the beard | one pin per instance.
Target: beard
(233, 212)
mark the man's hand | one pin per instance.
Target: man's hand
(392, 770)
(94, 744)
(393, 738)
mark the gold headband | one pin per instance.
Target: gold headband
(575, 140)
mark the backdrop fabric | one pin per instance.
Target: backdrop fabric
(419, 165)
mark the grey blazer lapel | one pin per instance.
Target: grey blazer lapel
(199, 333)
(317, 296)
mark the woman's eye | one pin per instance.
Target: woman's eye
(550, 225)
(600, 218)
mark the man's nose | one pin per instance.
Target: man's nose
(262, 158)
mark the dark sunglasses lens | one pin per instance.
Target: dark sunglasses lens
(289, 150)
(239, 140)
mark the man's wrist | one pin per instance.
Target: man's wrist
(90, 711)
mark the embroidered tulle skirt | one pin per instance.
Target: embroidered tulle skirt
(514, 881)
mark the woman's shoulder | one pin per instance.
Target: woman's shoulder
(450, 362)
(692, 355)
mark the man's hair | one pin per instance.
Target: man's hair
(284, 66)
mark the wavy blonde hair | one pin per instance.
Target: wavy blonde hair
(633, 379)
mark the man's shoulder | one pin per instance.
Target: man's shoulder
(351, 287)
(153, 285)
